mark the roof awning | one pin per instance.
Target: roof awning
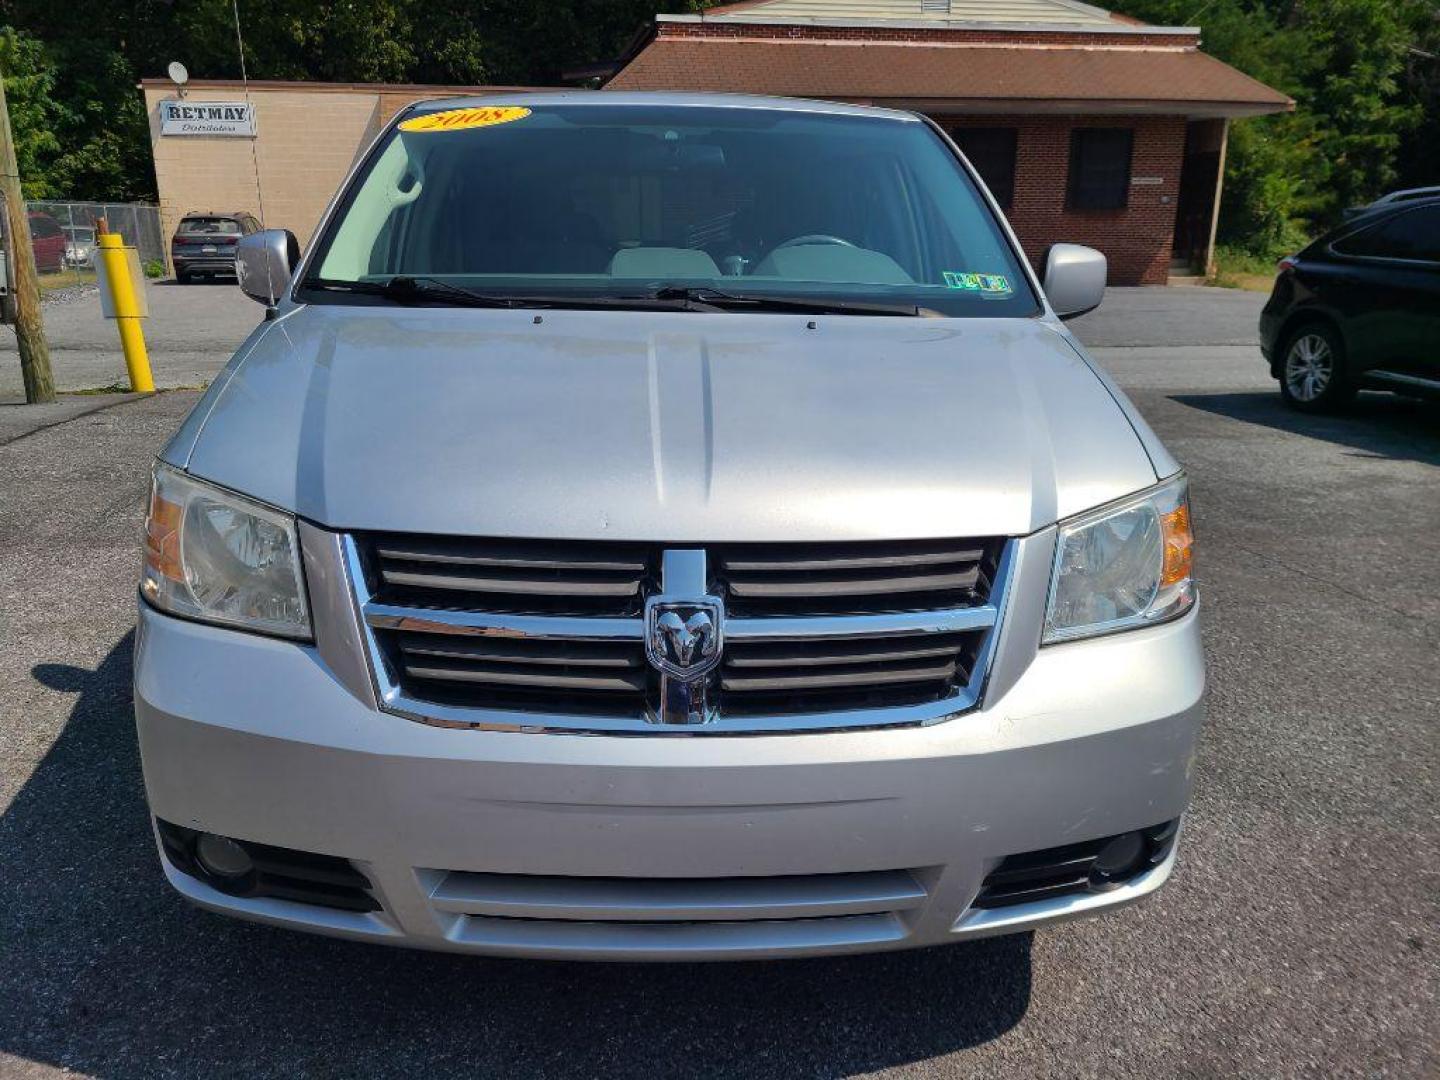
(959, 77)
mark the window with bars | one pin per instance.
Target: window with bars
(992, 151)
(1100, 168)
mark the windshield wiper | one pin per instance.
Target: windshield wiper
(421, 289)
(732, 301)
(411, 290)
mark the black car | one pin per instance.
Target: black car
(204, 243)
(1359, 309)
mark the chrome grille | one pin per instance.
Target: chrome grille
(799, 579)
(810, 674)
(514, 575)
(506, 633)
(520, 673)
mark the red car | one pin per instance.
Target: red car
(47, 239)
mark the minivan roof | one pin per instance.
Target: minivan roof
(652, 98)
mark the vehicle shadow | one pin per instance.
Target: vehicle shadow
(107, 972)
(1378, 425)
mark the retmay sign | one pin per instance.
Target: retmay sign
(207, 118)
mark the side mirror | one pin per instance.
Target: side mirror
(1074, 279)
(264, 262)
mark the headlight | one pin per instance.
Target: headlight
(1123, 566)
(218, 557)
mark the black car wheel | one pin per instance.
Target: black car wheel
(1312, 373)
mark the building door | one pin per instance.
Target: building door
(1199, 188)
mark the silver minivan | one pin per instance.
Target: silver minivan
(665, 527)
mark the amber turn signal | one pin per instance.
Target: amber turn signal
(162, 538)
(1179, 545)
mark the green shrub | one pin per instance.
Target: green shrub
(154, 269)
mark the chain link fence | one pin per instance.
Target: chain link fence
(63, 235)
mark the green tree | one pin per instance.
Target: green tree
(1345, 63)
(83, 121)
(1417, 162)
(34, 116)
(1360, 48)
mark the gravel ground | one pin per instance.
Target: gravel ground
(1299, 936)
(70, 294)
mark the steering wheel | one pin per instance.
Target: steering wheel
(813, 238)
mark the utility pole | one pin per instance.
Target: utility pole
(20, 268)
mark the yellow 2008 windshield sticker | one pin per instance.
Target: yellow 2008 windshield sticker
(460, 119)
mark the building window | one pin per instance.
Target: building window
(992, 151)
(1100, 168)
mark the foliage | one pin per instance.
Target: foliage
(154, 268)
(71, 69)
(29, 88)
(1237, 268)
(1357, 82)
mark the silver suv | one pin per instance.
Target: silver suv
(665, 527)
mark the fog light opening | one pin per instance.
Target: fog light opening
(223, 859)
(1119, 859)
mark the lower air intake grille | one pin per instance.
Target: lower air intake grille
(1061, 871)
(302, 877)
(675, 917)
(629, 899)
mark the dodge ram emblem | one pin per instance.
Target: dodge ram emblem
(682, 637)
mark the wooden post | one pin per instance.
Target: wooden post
(20, 265)
(1215, 207)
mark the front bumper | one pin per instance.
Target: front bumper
(269, 741)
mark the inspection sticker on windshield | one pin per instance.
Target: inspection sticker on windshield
(460, 119)
(990, 284)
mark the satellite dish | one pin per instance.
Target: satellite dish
(178, 75)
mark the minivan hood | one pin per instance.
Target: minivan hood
(665, 426)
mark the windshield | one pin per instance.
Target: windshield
(81, 236)
(221, 226)
(624, 200)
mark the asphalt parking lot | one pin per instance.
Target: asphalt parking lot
(1299, 936)
(191, 331)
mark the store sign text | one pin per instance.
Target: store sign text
(233, 118)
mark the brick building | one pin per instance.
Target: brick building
(1088, 126)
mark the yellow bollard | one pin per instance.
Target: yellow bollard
(127, 310)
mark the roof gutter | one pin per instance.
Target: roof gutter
(1096, 27)
(1195, 110)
